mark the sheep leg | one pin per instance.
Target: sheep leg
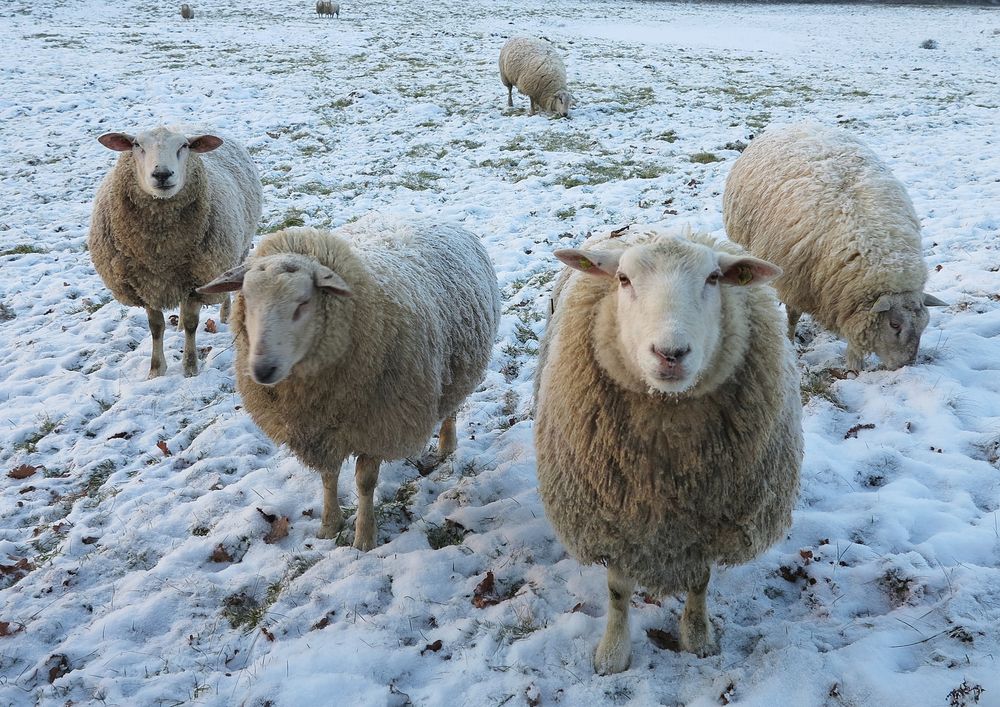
(333, 519)
(855, 358)
(447, 439)
(225, 309)
(190, 309)
(793, 320)
(696, 630)
(157, 362)
(531, 109)
(510, 96)
(365, 476)
(614, 652)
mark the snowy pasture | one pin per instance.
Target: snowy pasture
(134, 514)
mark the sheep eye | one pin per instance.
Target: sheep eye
(713, 279)
(299, 310)
(895, 325)
(623, 280)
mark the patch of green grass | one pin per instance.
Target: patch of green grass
(667, 136)
(30, 443)
(419, 181)
(439, 536)
(819, 384)
(466, 144)
(243, 611)
(23, 249)
(566, 213)
(98, 477)
(705, 158)
(292, 218)
(593, 172)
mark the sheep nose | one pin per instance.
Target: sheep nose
(162, 174)
(671, 356)
(263, 373)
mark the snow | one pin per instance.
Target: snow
(398, 107)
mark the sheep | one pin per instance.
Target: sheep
(668, 431)
(817, 202)
(186, 12)
(173, 213)
(538, 72)
(359, 341)
(328, 8)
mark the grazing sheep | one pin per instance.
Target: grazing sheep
(818, 203)
(328, 8)
(359, 341)
(668, 429)
(173, 213)
(538, 72)
(186, 12)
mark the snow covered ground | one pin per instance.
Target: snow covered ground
(132, 577)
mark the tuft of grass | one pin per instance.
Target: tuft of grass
(566, 213)
(243, 611)
(929, 44)
(6, 313)
(593, 172)
(293, 218)
(439, 536)
(23, 249)
(819, 384)
(705, 158)
(30, 443)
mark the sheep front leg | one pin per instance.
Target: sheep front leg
(157, 362)
(614, 652)
(531, 108)
(510, 96)
(225, 309)
(333, 519)
(447, 439)
(855, 358)
(696, 630)
(793, 321)
(190, 309)
(365, 476)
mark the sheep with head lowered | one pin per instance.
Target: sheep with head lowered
(174, 212)
(328, 8)
(821, 205)
(359, 341)
(668, 430)
(187, 12)
(537, 70)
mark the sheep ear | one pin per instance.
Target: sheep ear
(119, 142)
(882, 304)
(327, 279)
(743, 270)
(204, 143)
(592, 262)
(226, 282)
(932, 301)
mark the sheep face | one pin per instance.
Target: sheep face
(281, 296)
(160, 157)
(668, 304)
(898, 322)
(560, 103)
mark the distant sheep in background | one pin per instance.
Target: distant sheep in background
(818, 203)
(668, 430)
(173, 213)
(360, 341)
(186, 12)
(328, 8)
(537, 70)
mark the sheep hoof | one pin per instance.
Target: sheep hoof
(156, 372)
(364, 544)
(190, 371)
(612, 656)
(699, 639)
(329, 531)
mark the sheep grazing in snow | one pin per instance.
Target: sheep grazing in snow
(359, 341)
(817, 202)
(537, 70)
(172, 214)
(328, 8)
(186, 12)
(668, 429)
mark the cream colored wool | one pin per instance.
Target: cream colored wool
(537, 70)
(817, 202)
(660, 487)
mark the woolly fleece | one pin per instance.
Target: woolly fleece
(535, 68)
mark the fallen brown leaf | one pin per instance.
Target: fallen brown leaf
(210, 326)
(269, 517)
(5, 629)
(853, 432)
(89, 540)
(220, 554)
(663, 640)
(479, 598)
(324, 622)
(163, 448)
(267, 634)
(279, 530)
(23, 471)
(432, 647)
(58, 666)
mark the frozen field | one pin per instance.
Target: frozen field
(133, 577)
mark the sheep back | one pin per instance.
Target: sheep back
(154, 252)
(821, 205)
(533, 66)
(663, 486)
(424, 314)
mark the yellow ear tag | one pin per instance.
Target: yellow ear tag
(746, 274)
(585, 264)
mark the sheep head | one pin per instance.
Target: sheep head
(281, 298)
(160, 157)
(668, 308)
(895, 323)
